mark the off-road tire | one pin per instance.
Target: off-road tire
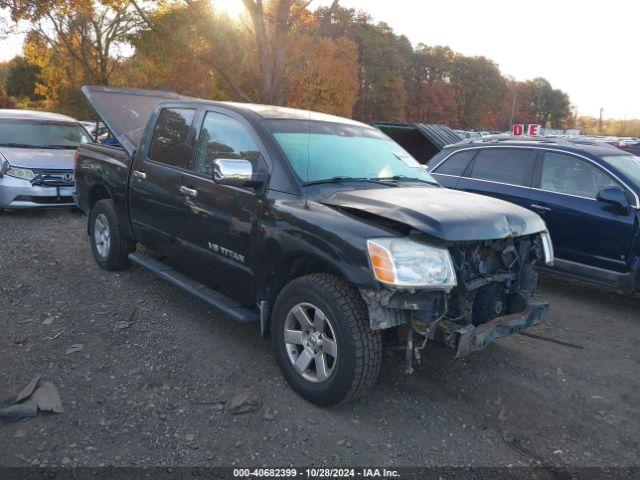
(121, 245)
(359, 348)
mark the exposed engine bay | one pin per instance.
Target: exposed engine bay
(496, 280)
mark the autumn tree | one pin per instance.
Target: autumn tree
(384, 64)
(273, 23)
(435, 103)
(6, 101)
(479, 89)
(327, 79)
(78, 41)
(433, 100)
(181, 47)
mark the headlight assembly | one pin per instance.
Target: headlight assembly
(22, 173)
(406, 263)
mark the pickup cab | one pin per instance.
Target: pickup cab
(322, 230)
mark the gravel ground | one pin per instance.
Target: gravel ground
(150, 383)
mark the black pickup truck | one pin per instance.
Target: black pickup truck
(320, 229)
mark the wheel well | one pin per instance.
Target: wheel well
(293, 267)
(98, 192)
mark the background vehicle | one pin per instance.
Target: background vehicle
(631, 146)
(36, 158)
(587, 193)
(321, 228)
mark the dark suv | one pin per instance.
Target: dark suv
(587, 193)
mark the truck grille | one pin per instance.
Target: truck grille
(53, 178)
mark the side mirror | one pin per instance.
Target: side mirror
(235, 173)
(614, 196)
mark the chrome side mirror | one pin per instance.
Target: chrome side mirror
(232, 172)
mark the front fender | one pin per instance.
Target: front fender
(297, 229)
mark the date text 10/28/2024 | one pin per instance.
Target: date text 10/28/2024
(315, 473)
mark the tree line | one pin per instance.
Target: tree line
(332, 59)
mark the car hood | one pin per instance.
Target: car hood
(47, 158)
(126, 111)
(449, 215)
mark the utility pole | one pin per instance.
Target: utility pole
(600, 121)
(513, 108)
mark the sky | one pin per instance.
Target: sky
(588, 49)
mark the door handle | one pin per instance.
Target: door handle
(139, 174)
(540, 208)
(189, 192)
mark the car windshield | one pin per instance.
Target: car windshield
(340, 152)
(627, 164)
(41, 134)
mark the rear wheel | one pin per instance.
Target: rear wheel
(324, 346)
(110, 247)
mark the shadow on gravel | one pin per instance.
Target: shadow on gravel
(583, 291)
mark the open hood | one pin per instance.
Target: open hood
(126, 111)
(449, 215)
(422, 140)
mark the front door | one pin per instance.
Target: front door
(216, 222)
(155, 178)
(582, 229)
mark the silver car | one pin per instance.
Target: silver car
(36, 158)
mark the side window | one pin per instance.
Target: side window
(169, 144)
(224, 137)
(568, 174)
(456, 164)
(505, 165)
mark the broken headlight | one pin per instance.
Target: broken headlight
(407, 263)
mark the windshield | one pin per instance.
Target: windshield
(629, 165)
(41, 135)
(343, 151)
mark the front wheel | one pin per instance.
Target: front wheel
(323, 344)
(110, 246)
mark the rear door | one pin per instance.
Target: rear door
(449, 171)
(583, 229)
(155, 178)
(216, 223)
(501, 172)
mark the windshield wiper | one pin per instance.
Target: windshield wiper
(404, 178)
(19, 145)
(343, 179)
(65, 147)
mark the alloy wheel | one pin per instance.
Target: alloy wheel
(101, 235)
(310, 342)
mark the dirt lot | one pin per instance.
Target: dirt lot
(150, 384)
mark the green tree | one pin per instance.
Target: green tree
(21, 78)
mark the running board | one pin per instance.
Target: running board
(219, 302)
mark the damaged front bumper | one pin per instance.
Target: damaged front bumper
(464, 339)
